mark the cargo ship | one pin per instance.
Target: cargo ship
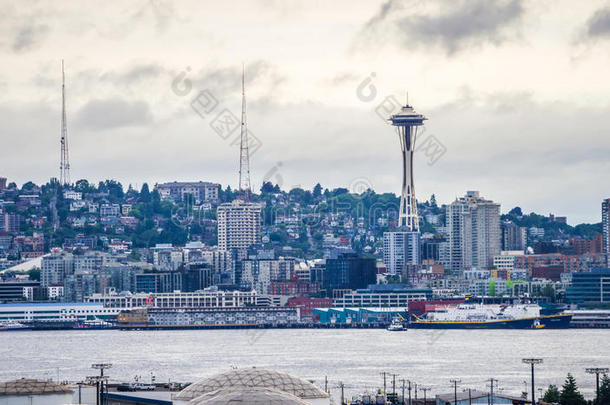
(481, 316)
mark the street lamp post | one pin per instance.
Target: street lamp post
(532, 362)
(597, 371)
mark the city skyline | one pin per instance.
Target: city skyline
(122, 112)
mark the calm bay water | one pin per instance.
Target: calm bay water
(356, 357)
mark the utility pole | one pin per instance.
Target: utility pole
(597, 371)
(532, 361)
(326, 383)
(416, 392)
(469, 397)
(394, 383)
(491, 397)
(384, 374)
(425, 389)
(403, 391)
(342, 386)
(80, 384)
(455, 383)
(101, 379)
(410, 392)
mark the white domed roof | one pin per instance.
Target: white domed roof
(250, 396)
(250, 378)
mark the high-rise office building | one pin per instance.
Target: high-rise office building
(400, 248)
(473, 230)
(239, 224)
(606, 225)
(349, 271)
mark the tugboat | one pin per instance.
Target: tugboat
(396, 325)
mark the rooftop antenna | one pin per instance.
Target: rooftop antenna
(245, 189)
(64, 165)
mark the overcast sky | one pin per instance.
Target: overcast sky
(516, 93)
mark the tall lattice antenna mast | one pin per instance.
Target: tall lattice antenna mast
(245, 189)
(64, 165)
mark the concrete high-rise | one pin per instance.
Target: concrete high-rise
(473, 230)
(400, 249)
(514, 237)
(606, 225)
(239, 224)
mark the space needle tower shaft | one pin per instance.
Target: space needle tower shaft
(407, 123)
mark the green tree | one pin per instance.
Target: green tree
(317, 191)
(552, 394)
(267, 187)
(145, 193)
(28, 186)
(34, 274)
(83, 186)
(570, 395)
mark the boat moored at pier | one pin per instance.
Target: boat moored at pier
(473, 316)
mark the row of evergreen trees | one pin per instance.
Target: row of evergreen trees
(570, 394)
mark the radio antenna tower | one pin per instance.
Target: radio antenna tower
(245, 189)
(64, 165)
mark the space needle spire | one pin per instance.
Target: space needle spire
(407, 122)
(64, 165)
(245, 189)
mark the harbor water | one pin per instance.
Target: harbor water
(355, 357)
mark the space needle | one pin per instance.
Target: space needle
(407, 123)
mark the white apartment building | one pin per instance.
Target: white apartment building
(73, 195)
(399, 249)
(110, 210)
(239, 224)
(202, 191)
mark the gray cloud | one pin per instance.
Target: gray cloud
(135, 74)
(227, 80)
(29, 36)
(463, 24)
(113, 113)
(162, 13)
(598, 24)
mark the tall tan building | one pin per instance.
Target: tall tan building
(239, 224)
(473, 228)
(606, 225)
